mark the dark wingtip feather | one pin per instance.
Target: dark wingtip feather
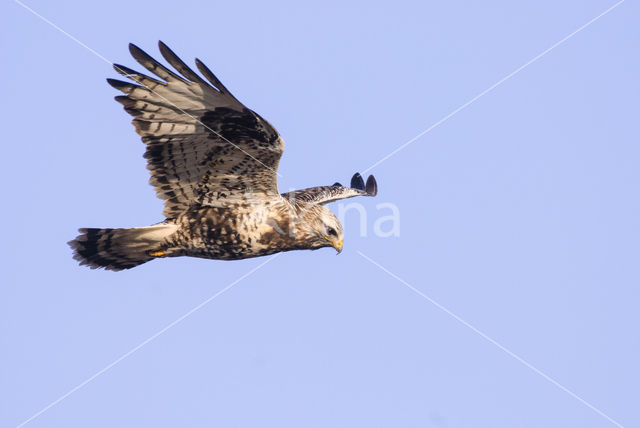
(135, 51)
(165, 50)
(178, 64)
(116, 83)
(357, 182)
(336, 184)
(372, 187)
(151, 64)
(122, 86)
(124, 100)
(124, 70)
(208, 74)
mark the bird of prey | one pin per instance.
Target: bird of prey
(213, 162)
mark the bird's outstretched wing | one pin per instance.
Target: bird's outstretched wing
(325, 194)
(203, 146)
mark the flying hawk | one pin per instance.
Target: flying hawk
(213, 162)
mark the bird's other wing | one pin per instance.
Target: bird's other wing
(204, 147)
(325, 194)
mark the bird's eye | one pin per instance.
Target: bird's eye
(332, 231)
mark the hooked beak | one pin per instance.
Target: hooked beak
(334, 244)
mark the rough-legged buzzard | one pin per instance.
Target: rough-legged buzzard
(213, 162)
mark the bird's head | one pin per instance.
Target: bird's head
(322, 228)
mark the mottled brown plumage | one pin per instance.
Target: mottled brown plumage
(213, 162)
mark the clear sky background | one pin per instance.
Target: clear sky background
(520, 214)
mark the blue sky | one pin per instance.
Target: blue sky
(519, 214)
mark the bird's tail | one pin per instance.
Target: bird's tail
(118, 249)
